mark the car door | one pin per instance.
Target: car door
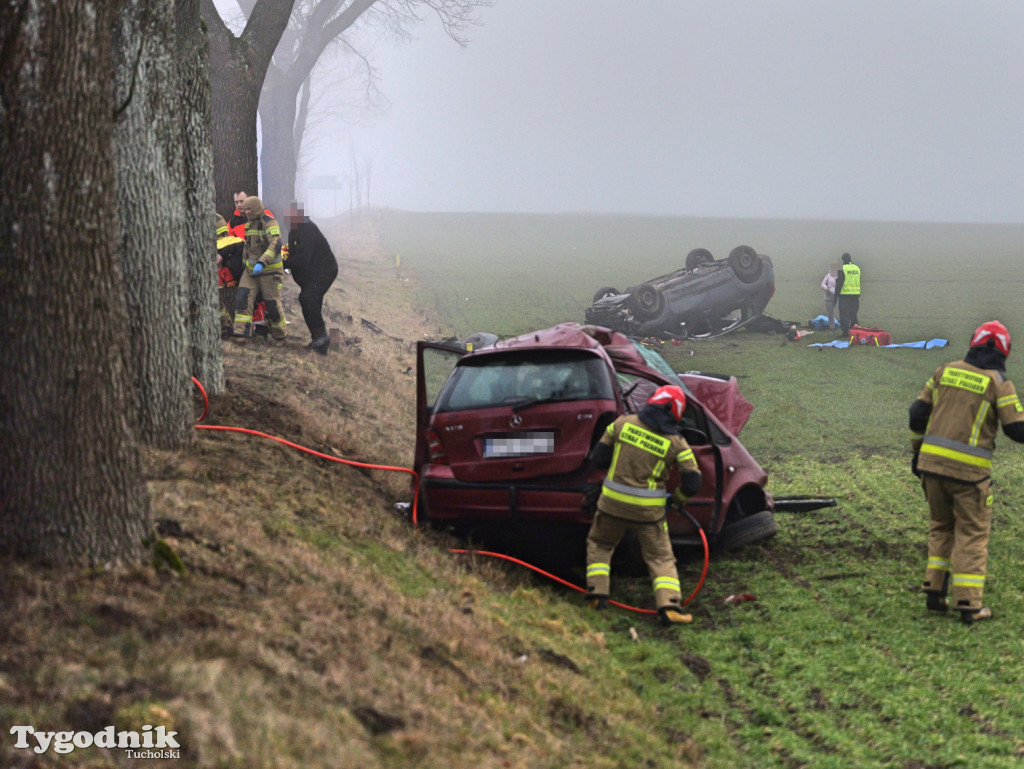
(434, 364)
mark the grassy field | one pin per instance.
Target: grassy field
(314, 627)
(837, 664)
(511, 273)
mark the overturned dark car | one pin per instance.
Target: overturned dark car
(706, 298)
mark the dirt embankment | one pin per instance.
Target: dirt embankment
(312, 626)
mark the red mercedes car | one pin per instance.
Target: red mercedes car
(503, 435)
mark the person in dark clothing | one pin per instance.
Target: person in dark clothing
(314, 268)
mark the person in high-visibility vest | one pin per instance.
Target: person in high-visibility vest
(953, 426)
(639, 451)
(264, 270)
(229, 251)
(848, 294)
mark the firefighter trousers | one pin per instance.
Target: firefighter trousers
(958, 534)
(227, 307)
(248, 286)
(606, 533)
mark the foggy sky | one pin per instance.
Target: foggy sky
(895, 110)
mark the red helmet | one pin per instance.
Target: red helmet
(992, 332)
(672, 396)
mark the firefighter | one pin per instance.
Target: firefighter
(236, 228)
(229, 267)
(953, 426)
(264, 271)
(848, 294)
(639, 451)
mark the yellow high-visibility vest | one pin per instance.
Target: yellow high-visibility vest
(851, 279)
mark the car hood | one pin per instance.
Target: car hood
(721, 396)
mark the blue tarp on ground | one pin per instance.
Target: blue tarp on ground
(923, 345)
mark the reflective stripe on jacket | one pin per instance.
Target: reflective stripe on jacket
(262, 244)
(967, 406)
(642, 459)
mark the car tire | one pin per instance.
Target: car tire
(746, 264)
(647, 301)
(697, 257)
(603, 292)
(746, 531)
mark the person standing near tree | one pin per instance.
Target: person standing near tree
(848, 293)
(314, 268)
(953, 423)
(229, 267)
(264, 270)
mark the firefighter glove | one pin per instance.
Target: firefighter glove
(257, 268)
(913, 465)
(678, 498)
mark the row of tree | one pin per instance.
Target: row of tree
(123, 126)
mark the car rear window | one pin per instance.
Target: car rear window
(526, 377)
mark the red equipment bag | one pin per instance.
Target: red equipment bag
(873, 336)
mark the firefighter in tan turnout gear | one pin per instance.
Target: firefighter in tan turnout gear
(264, 271)
(953, 424)
(639, 451)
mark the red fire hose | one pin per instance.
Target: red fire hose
(247, 431)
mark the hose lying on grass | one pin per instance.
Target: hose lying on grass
(415, 522)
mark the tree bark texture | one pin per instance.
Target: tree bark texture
(151, 189)
(193, 58)
(290, 68)
(238, 66)
(71, 488)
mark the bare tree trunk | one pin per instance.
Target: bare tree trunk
(238, 67)
(71, 488)
(151, 183)
(278, 157)
(193, 59)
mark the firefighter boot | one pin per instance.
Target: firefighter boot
(597, 601)
(936, 599)
(673, 615)
(936, 602)
(969, 617)
(241, 336)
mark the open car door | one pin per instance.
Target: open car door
(434, 364)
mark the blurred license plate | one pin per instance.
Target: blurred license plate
(520, 444)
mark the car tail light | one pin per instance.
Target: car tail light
(435, 449)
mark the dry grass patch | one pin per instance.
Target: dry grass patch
(313, 626)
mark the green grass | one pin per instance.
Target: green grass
(837, 663)
(513, 273)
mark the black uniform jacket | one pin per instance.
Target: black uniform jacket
(310, 258)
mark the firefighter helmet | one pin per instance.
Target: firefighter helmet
(992, 334)
(671, 396)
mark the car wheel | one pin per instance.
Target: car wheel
(746, 264)
(746, 531)
(648, 301)
(605, 291)
(697, 257)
